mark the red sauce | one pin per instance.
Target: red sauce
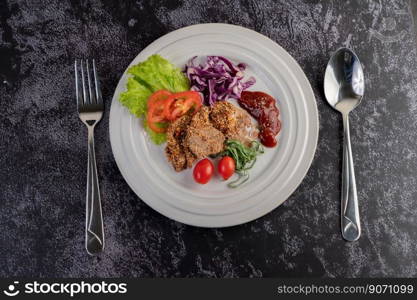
(262, 107)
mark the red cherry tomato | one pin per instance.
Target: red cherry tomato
(203, 171)
(226, 167)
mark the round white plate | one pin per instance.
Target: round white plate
(276, 174)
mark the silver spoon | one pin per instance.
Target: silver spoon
(344, 88)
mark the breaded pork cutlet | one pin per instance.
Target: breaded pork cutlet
(202, 138)
(174, 150)
(197, 135)
(234, 122)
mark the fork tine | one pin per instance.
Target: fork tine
(97, 84)
(77, 88)
(78, 84)
(85, 99)
(90, 90)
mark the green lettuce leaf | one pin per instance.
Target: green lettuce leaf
(154, 74)
(135, 97)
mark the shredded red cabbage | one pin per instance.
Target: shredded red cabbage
(218, 79)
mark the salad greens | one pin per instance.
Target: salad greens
(154, 74)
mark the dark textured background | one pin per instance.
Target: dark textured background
(43, 145)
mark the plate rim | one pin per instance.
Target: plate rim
(306, 89)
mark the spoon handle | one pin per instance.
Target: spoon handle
(351, 227)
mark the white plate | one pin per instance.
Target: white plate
(276, 174)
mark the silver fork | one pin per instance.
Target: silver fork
(90, 108)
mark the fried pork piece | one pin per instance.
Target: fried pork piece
(234, 122)
(202, 139)
(189, 157)
(174, 151)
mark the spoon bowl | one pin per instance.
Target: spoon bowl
(344, 83)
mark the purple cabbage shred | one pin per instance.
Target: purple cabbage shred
(217, 79)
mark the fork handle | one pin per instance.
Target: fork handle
(94, 233)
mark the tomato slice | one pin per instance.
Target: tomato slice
(158, 95)
(167, 109)
(165, 106)
(156, 110)
(180, 103)
(154, 127)
(155, 114)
